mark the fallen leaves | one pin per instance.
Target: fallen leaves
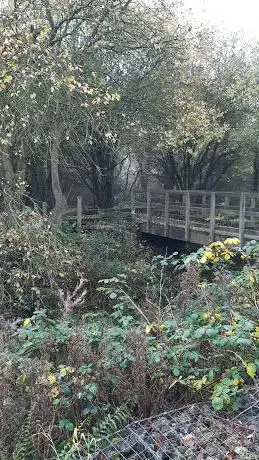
(189, 440)
(230, 455)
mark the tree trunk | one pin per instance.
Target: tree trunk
(255, 172)
(9, 181)
(14, 189)
(60, 199)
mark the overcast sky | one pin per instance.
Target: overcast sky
(234, 15)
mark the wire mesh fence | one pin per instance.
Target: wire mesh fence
(193, 433)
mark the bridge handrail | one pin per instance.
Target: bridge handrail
(225, 209)
(208, 207)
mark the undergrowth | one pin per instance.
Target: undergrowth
(84, 348)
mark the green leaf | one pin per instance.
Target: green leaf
(7, 78)
(199, 333)
(251, 369)
(176, 371)
(217, 403)
(113, 295)
(66, 424)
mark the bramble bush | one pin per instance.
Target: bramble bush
(189, 330)
(35, 266)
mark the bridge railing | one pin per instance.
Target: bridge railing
(211, 213)
(230, 212)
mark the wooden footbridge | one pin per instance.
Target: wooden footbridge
(193, 216)
(198, 216)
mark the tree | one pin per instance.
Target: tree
(195, 110)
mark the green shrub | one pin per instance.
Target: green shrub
(165, 331)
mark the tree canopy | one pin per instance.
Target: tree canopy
(119, 93)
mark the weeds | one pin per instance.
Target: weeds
(162, 332)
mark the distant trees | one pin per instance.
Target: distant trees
(199, 114)
(91, 90)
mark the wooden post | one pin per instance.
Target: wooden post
(132, 202)
(166, 223)
(242, 218)
(44, 209)
(148, 211)
(79, 213)
(204, 202)
(227, 201)
(226, 206)
(212, 215)
(187, 215)
(253, 213)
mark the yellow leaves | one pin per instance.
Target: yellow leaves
(55, 379)
(203, 259)
(199, 383)
(250, 369)
(206, 315)
(195, 383)
(4, 80)
(219, 252)
(115, 97)
(70, 80)
(52, 379)
(229, 333)
(211, 316)
(61, 275)
(23, 378)
(227, 256)
(66, 370)
(255, 334)
(232, 242)
(7, 78)
(253, 278)
(26, 323)
(237, 381)
(154, 328)
(54, 392)
(217, 316)
(217, 244)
